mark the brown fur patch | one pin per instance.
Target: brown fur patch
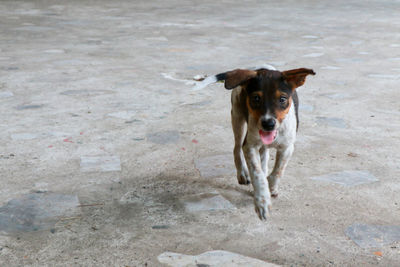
(256, 113)
(281, 113)
(297, 77)
(279, 94)
(237, 77)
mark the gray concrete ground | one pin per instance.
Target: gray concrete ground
(108, 158)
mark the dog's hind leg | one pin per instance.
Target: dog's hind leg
(239, 132)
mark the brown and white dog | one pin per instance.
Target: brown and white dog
(266, 100)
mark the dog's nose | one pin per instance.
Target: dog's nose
(268, 124)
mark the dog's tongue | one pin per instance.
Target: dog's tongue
(267, 137)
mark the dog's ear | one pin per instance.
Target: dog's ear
(297, 77)
(236, 77)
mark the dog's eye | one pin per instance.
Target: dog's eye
(282, 100)
(256, 99)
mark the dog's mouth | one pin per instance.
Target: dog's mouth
(267, 137)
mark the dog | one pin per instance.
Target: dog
(266, 101)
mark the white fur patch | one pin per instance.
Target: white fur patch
(287, 130)
(264, 66)
(204, 83)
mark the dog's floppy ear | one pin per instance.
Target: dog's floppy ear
(236, 77)
(297, 77)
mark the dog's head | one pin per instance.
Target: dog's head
(269, 95)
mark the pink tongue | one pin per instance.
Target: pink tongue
(267, 137)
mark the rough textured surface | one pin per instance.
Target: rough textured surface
(333, 122)
(215, 258)
(100, 163)
(34, 212)
(163, 138)
(113, 78)
(347, 178)
(206, 202)
(216, 166)
(373, 236)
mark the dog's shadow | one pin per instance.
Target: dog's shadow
(229, 188)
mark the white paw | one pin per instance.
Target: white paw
(273, 186)
(274, 193)
(262, 206)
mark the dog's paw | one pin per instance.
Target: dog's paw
(274, 191)
(273, 186)
(274, 194)
(262, 207)
(243, 178)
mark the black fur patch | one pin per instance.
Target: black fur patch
(221, 76)
(296, 108)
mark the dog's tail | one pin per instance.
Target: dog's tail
(209, 80)
(222, 76)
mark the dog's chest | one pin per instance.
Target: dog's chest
(287, 131)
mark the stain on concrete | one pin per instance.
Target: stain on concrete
(85, 92)
(100, 163)
(58, 134)
(165, 91)
(337, 95)
(165, 137)
(125, 115)
(159, 38)
(196, 105)
(24, 136)
(163, 226)
(23, 107)
(331, 121)
(314, 55)
(373, 236)
(41, 187)
(330, 68)
(212, 258)
(12, 68)
(206, 202)
(34, 28)
(384, 76)
(6, 94)
(54, 51)
(349, 60)
(358, 42)
(217, 165)
(30, 136)
(130, 198)
(347, 178)
(37, 211)
(306, 108)
(70, 62)
(134, 121)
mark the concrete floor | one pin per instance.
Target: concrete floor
(108, 158)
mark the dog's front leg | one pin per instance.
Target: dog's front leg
(264, 155)
(282, 159)
(262, 197)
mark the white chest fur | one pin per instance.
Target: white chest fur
(287, 130)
